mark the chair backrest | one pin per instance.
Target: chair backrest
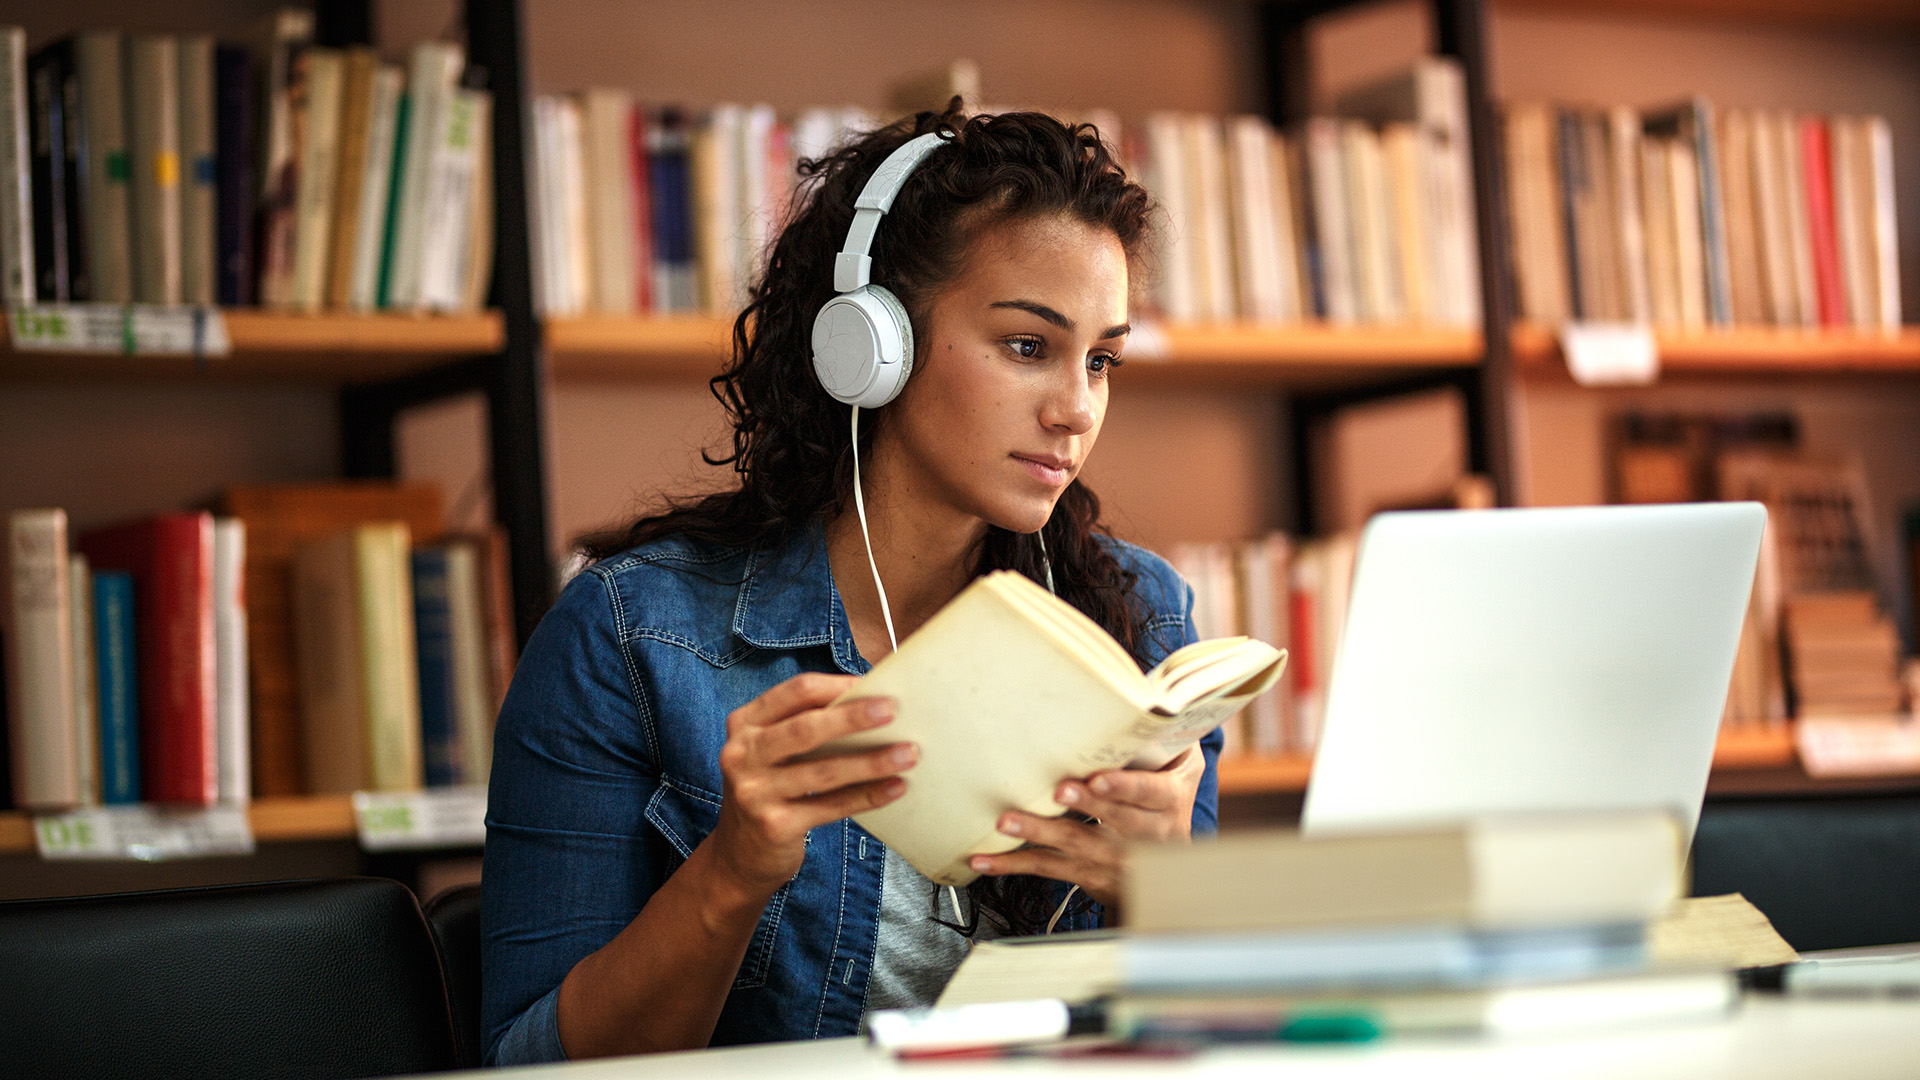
(454, 915)
(319, 979)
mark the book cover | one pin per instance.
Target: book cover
(1745, 268)
(116, 660)
(674, 287)
(1044, 694)
(46, 150)
(477, 269)
(350, 168)
(1294, 293)
(40, 715)
(171, 560)
(610, 190)
(101, 61)
(1207, 187)
(1333, 232)
(1414, 240)
(1623, 149)
(1691, 123)
(1375, 248)
(441, 754)
(358, 675)
(714, 177)
(1779, 295)
(73, 124)
(319, 75)
(451, 182)
(199, 179)
(18, 277)
(1176, 285)
(433, 75)
(153, 137)
(1690, 258)
(474, 704)
(235, 181)
(1850, 225)
(231, 712)
(1576, 215)
(86, 712)
(1663, 250)
(279, 518)
(375, 187)
(1816, 167)
(1539, 234)
(640, 180)
(284, 36)
(1886, 234)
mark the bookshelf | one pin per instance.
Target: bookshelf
(1746, 351)
(306, 817)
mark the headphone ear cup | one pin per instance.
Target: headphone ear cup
(863, 347)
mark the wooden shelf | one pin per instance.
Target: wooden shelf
(1746, 351)
(302, 817)
(618, 347)
(1800, 12)
(328, 347)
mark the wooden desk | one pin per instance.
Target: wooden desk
(1770, 1039)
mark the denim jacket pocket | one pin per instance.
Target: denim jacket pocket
(684, 815)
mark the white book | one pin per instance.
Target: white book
(714, 172)
(449, 211)
(376, 184)
(1850, 225)
(1175, 282)
(16, 191)
(548, 295)
(1256, 233)
(319, 151)
(86, 712)
(1771, 217)
(1663, 269)
(1208, 210)
(432, 77)
(609, 166)
(1371, 207)
(1624, 148)
(198, 191)
(1689, 243)
(1886, 234)
(758, 209)
(1406, 164)
(1295, 295)
(1787, 129)
(472, 699)
(231, 711)
(103, 102)
(283, 36)
(40, 720)
(577, 246)
(1332, 220)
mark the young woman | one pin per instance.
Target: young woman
(661, 871)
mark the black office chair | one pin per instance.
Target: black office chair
(311, 979)
(454, 915)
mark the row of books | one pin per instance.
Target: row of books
(160, 169)
(292, 645)
(1688, 217)
(1361, 220)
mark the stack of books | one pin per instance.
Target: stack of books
(1362, 218)
(299, 643)
(1843, 655)
(162, 169)
(1687, 218)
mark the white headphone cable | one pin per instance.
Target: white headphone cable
(860, 504)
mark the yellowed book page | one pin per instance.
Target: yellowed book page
(1717, 931)
(1070, 968)
(1067, 625)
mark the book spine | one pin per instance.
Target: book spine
(403, 122)
(186, 766)
(230, 661)
(319, 131)
(441, 753)
(1573, 190)
(86, 714)
(74, 126)
(1623, 145)
(153, 101)
(331, 719)
(1713, 226)
(609, 122)
(350, 166)
(1333, 223)
(477, 262)
(376, 185)
(280, 161)
(119, 691)
(387, 658)
(672, 218)
(474, 708)
(1886, 232)
(449, 205)
(18, 279)
(46, 149)
(235, 181)
(199, 180)
(102, 64)
(1822, 240)
(430, 91)
(640, 174)
(46, 769)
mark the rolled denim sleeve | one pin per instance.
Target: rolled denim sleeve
(569, 857)
(1169, 627)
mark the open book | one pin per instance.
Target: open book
(1009, 690)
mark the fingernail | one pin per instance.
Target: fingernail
(1011, 826)
(1101, 785)
(1068, 796)
(877, 711)
(905, 754)
(894, 788)
(980, 863)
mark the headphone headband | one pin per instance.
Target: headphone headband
(853, 267)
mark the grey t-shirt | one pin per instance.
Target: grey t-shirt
(915, 954)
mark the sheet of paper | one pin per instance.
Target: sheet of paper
(1858, 745)
(1073, 968)
(1717, 931)
(1610, 354)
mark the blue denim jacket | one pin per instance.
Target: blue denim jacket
(606, 775)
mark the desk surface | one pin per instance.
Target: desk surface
(1769, 1038)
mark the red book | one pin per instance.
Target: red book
(171, 560)
(1823, 237)
(642, 210)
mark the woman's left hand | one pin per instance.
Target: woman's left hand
(1126, 804)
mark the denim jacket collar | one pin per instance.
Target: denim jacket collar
(788, 600)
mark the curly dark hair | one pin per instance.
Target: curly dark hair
(790, 446)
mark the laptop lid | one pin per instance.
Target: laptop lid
(1522, 661)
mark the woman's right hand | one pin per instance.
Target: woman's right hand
(771, 800)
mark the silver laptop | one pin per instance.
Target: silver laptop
(1516, 661)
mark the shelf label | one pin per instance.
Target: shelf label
(143, 831)
(1610, 354)
(1834, 746)
(130, 330)
(428, 818)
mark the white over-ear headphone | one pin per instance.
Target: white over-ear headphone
(862, 339)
